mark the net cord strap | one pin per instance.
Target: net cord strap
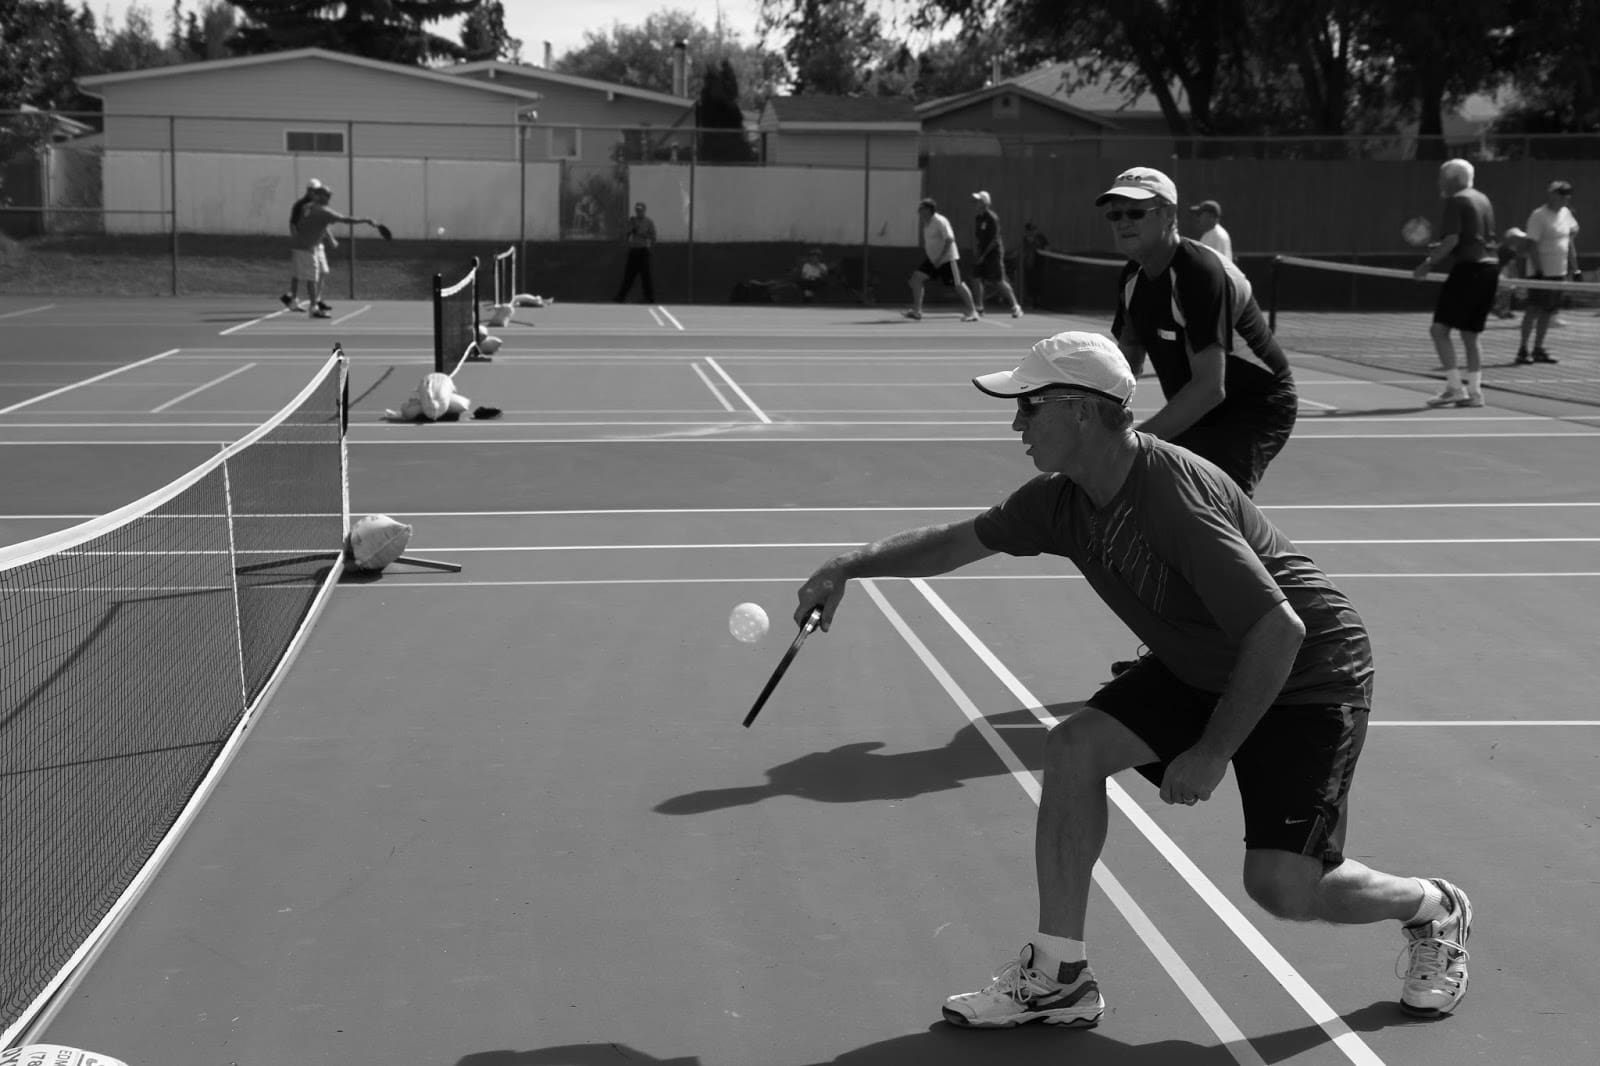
(1572, 287)
(30, 1026)
(30, 550)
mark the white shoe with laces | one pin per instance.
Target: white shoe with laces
(1435, 958)
(1450, 397)
(1020, 994)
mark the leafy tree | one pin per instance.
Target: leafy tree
(641, 56)
(1553, 52)
(391, 30)
(134, 45)
(484, 35)
(45, 47)
(719, 117)
(833, 46)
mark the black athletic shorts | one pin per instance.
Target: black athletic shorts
(1544, 299)
(1467, 296)
(1293, 771)
(990, 268)
(1246, 434)
(945, 272)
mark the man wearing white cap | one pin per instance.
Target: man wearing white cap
(1257, 660)
(990, 253)
(941, 261)
(1230, 394)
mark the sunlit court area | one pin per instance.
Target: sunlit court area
(423, 444)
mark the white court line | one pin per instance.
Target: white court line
(795, 545)
(245, 325)
(969, 508)
(201, 388)
(737, 391)
(1493, 722)
(85, 381)
(27, 311)
(1354, 1048)
(701, 374)
(345, 318)
(758, 437)
(669, 317)
(1232, 1038)
(655, 316)
(391, 580)
(1304, 402)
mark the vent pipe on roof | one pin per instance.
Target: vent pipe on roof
(547, 62)
(994, 71)
(680, 67)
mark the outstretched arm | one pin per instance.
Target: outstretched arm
(920, 552)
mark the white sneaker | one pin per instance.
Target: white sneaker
(1020, 994)
(969, 317)
(1016, 311)
(1435, 957)
(1472, 399)
(1450, 397)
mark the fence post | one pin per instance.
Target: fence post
(522, 195)
(866, 215)
(694, 158)
(350, 183)
(172, 192)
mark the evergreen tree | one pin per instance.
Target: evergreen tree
(721, 122)
(484, 36)
(391, 30)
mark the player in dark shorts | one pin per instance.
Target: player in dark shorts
(1467, 245)
(1258, 660)
(1230, 394)
(989, 255)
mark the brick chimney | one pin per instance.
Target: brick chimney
(680, 67)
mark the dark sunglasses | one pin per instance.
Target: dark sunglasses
(1132, 213)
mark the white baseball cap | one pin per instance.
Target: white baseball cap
(981, 197)
(1091, 362)
(1141, 183)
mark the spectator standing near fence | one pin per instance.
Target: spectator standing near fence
(1552, 232)
(990, 255)
(1208, 216)
(1033, 242)
(941, 260)
(640, 235)
(1467, 246)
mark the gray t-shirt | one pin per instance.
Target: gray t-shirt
(1470, 216)
(1189, 563)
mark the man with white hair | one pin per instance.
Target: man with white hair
(1466, 246)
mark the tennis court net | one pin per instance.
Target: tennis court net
(135, 651)
(455, 320)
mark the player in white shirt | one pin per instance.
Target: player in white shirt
(1208, 214)
(1553, 257)
(940, 259)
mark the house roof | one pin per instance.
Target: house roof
(94, 82)
(496, 67)
(944, 105)
(1096, 98)
(883, 113)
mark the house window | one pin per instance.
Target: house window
(563, 142)
(314, 142)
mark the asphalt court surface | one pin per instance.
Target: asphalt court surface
(508, 816)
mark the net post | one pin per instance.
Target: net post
(477, 324)
(1272, 294)
(438, 324)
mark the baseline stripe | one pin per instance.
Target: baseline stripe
(78, 385)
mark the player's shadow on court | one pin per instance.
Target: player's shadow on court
(1368, 412)
(946, 1045)
(856, 773)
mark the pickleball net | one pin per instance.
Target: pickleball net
(1072, 284)
(136, 650)
(1379, 317)
(455, 320)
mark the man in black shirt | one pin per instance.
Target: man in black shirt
(990, 256)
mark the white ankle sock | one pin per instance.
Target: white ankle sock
(1474, 381)
(1432, 907)
(1452, 377)
(1049, 952)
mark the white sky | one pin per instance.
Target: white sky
(561, 22)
